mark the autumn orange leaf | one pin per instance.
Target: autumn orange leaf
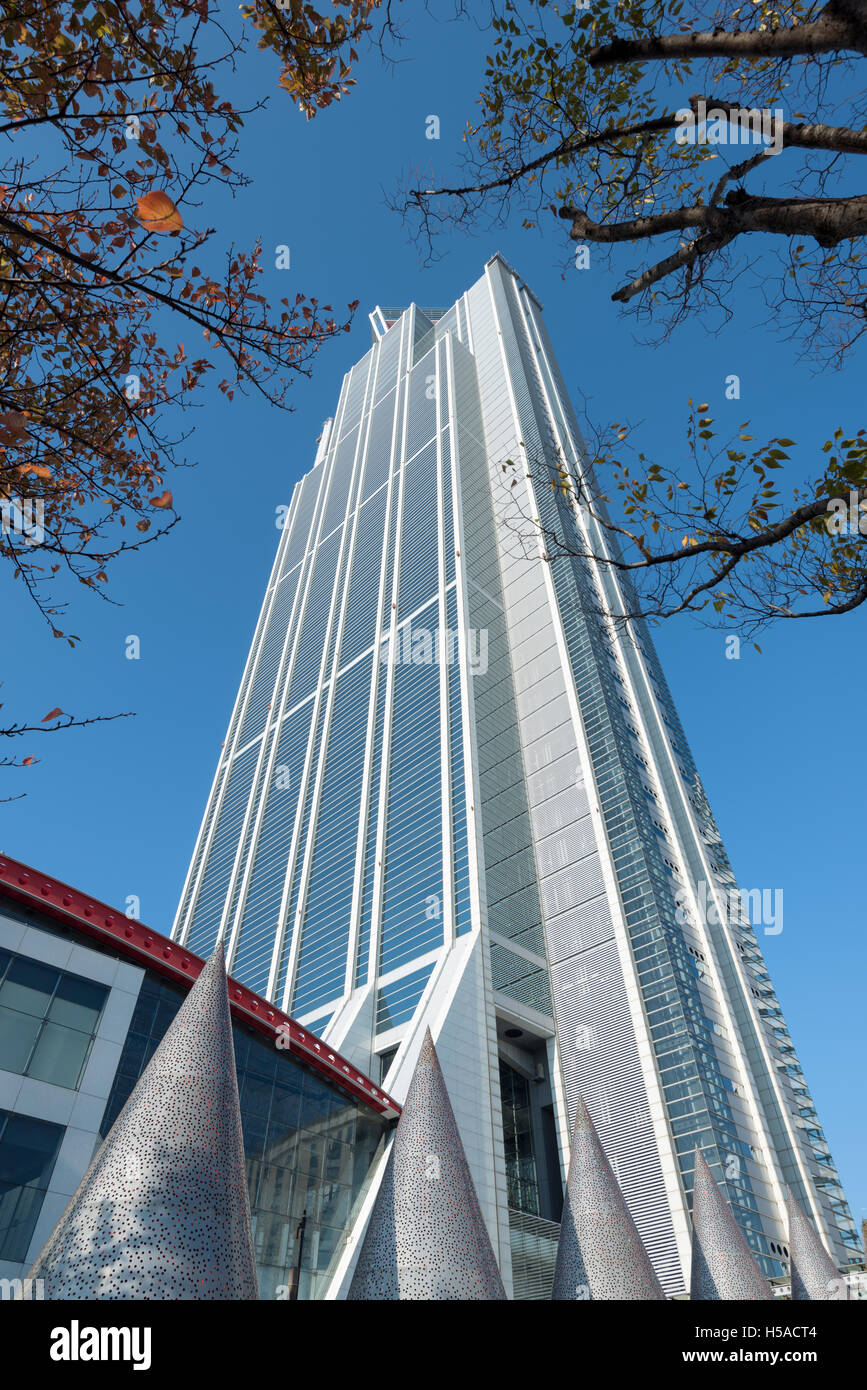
(25, 762)
(52, 714)
(157, 213)
(164, 501)
(13, 427)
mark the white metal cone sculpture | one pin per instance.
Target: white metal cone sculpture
(723, 1266)
(815, 1277)
(600, 1254)
(426, 1238)
(163, 1212)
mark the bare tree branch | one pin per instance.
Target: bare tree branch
(841, 27)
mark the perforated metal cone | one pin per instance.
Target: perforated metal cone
(162, 1212)
(426, 1238)
(723, 1266)
(815, 1277)
(600, 1254)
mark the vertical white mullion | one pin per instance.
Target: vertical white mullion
(385, 758)
(336, 609)
(471, 789)
(352, 523)
(184, 914)
(364, 812)
(468, 320)
(444, 417)
(370, 744)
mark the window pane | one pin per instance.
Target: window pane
(285, 1106)
(18, 1033)
(60, 1055)
(28, 1150)
(317, 1103)
(257, 1097)
(274, 1238)
(335, 1206)
(78, 1003)
(28, 986)
(19, 1208)
(276, 1187)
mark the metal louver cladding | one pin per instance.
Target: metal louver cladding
(426, 1238)
(163, 1212)
(600, 1062)
(534, 1255)
(520, 978)
(722, 1265)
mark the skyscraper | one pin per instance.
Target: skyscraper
(455, 793)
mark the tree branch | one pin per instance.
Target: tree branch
(841, 27)
(571, 145)
(70, 723)
(794, 134)
(742, 545)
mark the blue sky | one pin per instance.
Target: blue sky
(115, 809)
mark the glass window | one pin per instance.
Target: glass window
(397, 1002)
(28, 986)
(521, 1174)
(385, 1061)
(28, 1151)
(77, 1003)
(286, 1104)
(48, 1019)
(18, 1034)
(60, 1055)
(256, 1097)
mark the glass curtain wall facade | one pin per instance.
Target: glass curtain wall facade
(454, 792)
